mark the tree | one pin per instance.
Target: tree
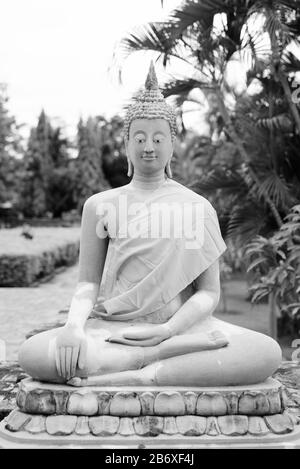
(50, 177)
(113, 152)
(208, 35)
(61, 193)
(90, 178)
(39, 165)
(10, 148)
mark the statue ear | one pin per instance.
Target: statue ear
(126, 146)
(168, 169)
(129, 163)
(130, 167)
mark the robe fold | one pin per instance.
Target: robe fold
(160, 246)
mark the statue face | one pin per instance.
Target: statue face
(150, 145)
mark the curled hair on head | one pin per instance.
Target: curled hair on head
(150, 104)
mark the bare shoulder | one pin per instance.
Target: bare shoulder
(194, 197)
(103, 197)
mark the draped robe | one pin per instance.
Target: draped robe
(160, 241)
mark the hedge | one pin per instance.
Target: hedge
(27, 261)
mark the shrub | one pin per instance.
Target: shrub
(23, 262)
(276, 264)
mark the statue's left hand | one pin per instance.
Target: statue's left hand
(141, 335)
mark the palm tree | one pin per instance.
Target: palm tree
(192, 35)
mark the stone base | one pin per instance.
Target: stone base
(163, 417)
(20, 430)
(35, 397)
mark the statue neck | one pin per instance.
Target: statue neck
(148, 182)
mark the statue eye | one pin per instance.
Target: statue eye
(158, 139)
(140, 139)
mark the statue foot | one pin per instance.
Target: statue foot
(217, 339)
(78, 382)
(142, 377)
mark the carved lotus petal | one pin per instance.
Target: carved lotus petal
(82, 426)
(211, 404)
(147, 403)
(232, 399)
(279, 423)
(275, 402)
(254, 403)
(148, 425)
(36, 425)
(21, 399)
(40, 401)
(104, 425)
(103, 403)
(17, 420)
(82, 403)
(125, 404)
(257, 426)
(126, 426)
(190, 399)
(233, 425)
(170, 427)
(191, 425)
(61, 400)
(61, 425)
(169, 403)
(212, 427)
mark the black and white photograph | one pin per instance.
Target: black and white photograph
(150, 227)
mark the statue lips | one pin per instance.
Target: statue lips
(149, 158)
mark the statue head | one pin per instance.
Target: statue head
(150, 130)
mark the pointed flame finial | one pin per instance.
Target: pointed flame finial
(151, 82)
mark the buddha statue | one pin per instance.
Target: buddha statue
(142, 311)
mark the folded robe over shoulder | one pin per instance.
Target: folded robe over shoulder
(166, 240)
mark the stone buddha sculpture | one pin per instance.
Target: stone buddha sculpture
(142, 311)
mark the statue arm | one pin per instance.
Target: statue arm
(201, 304)
(93, 249)
(71, 341)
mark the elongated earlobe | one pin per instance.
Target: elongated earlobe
(130, 168)
(168, 169)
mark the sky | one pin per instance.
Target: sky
(55, 55)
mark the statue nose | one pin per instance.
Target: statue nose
(149, 146)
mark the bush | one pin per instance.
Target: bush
(36, 258)
(276, 264)
(22, 271)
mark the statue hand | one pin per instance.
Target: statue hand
(142, 336)
(71, 347)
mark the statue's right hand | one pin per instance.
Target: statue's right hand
(71, 348)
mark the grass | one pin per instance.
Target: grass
(44, 239)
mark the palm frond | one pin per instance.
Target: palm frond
(197, 11)
(276, 21)
(290, 62)
(245, 222)
(181, 86)
(219, 179)
(254, 48)
(281, 122)
(277, 189)
(159, 37)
